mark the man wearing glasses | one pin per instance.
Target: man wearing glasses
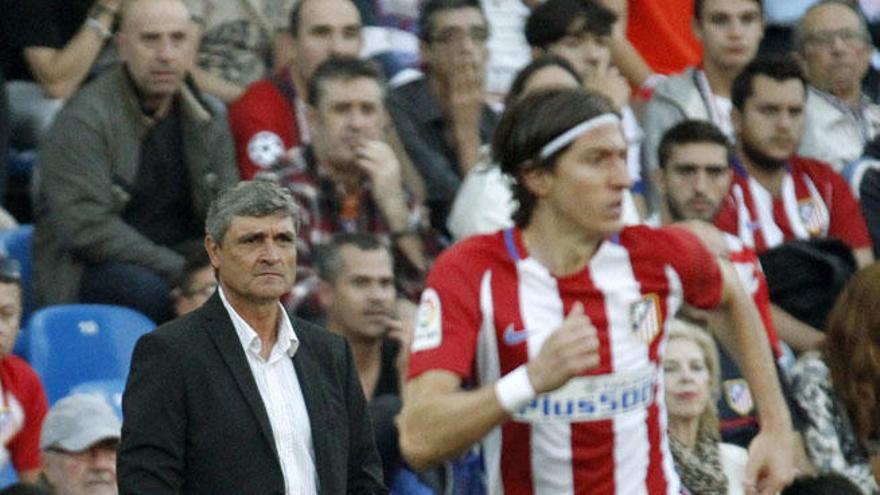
(442, 117)
(834, 48)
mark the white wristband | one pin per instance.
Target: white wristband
(514, 390)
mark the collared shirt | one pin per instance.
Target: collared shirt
(282, 397)
(835, 133)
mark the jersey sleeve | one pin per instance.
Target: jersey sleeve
(25, 446)
(448, 319)
(695, 264)
(263, 127)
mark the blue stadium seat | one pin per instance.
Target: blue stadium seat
(111, 390)
(77, 343)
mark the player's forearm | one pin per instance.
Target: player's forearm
(436, 426)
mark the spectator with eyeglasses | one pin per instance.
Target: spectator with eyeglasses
(442, 118)
(23, 401)
(834, 47)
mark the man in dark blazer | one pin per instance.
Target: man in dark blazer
(214, 403)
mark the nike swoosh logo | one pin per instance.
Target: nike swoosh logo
(514, 337)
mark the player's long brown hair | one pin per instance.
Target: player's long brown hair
(530, 123)
(852, 351)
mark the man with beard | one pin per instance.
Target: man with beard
(78, 445)
(834, 48)
(776, 195)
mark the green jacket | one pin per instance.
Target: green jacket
(86, 162)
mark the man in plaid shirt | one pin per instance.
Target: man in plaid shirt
(348, 179)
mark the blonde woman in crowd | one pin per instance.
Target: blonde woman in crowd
(692, 377)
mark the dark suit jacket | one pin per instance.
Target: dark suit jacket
(195, 422)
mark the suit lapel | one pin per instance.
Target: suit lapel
(222, 333)
(311, 382)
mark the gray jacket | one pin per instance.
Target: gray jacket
(675, 99)
(88, 159)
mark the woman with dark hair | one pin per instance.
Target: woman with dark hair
(839, 386)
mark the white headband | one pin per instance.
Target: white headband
(575, 132)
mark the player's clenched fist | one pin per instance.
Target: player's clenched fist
(571, 349)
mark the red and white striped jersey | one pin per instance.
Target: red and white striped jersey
(489, 307)
(814, 201)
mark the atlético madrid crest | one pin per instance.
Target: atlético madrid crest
(738, 396)
(644, 317)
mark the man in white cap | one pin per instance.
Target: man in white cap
(78, 446)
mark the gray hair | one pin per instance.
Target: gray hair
(253, 198)
(800, 33)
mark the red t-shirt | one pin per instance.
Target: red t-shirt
(24, 406)
(264, 125)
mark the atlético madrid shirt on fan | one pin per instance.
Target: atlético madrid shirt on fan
(489, 307)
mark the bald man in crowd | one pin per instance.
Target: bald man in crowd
(128, 171)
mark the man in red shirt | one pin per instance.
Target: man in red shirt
(270, 117)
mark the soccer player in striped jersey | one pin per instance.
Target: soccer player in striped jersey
(543, 342)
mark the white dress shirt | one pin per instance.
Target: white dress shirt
(282, 397)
